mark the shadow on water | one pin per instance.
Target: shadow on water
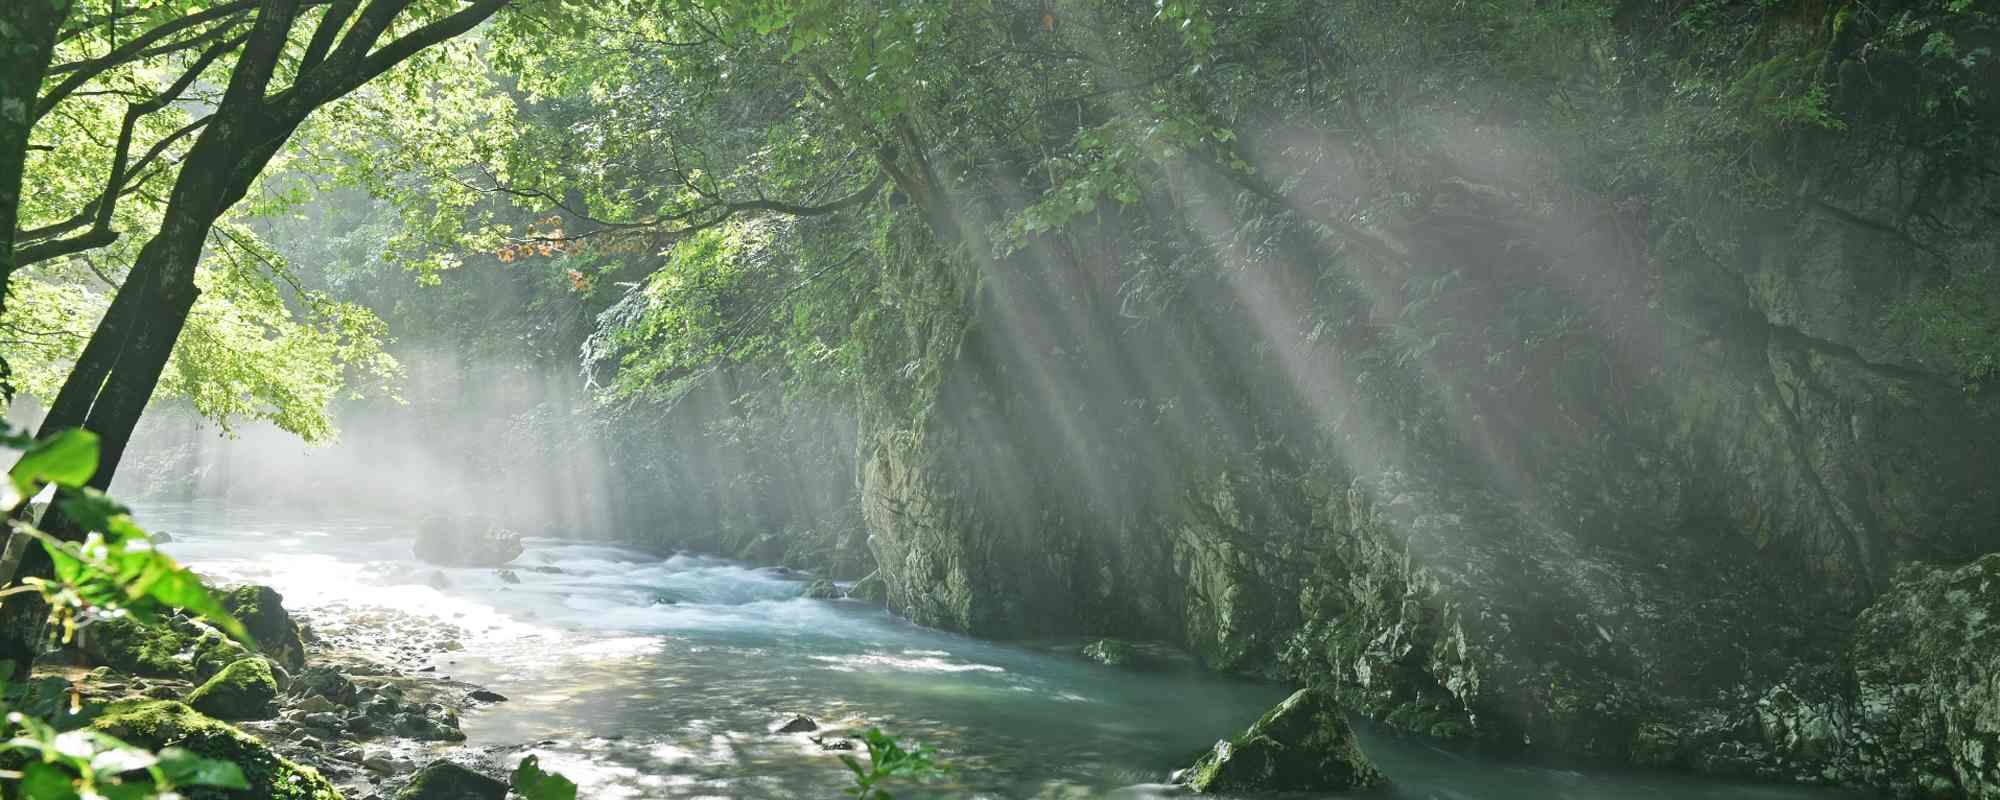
(648, 678)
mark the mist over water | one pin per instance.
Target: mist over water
(648, 677)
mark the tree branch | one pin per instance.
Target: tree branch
(84, 71)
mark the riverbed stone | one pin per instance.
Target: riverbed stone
(244, 690)
(1304, 744)
(446, 780)
(167, 723)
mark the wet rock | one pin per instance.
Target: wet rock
(315, 704)
(160, 537)
(437, 580)
(244, 690)
(799, 724)
(1303, 744)
(872, 590)
(507, 576)
(486, 696)
(262, 611)
(545, 569)
(1927, 674)
(821, 590)
(444, 780)
(165, 723)
(328, 683)
(464, 542)
(1112, 653)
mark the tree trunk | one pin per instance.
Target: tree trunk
(28, 31)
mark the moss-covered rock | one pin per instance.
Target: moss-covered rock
(214, 651)
(444, 780)
(244, 690)
(1304, 744)
(167, 723)
(130, 646)
(262, 611)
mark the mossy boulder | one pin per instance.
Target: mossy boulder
(244, 690)
(262, 611)
(154, 650)
(1111, 653)
(167, 723)
(1304, 744)
(444, 780)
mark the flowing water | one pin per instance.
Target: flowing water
(642, 677)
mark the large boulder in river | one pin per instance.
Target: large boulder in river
(262, 611)
(1927, 674)
(1303, 745)
(465, 542)
(444, 780)
(244, 690)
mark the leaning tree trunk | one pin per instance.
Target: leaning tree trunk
(108, 392)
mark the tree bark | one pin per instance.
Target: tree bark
(27, 41)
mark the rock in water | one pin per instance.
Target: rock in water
(437, 580)
(507, 576)
(161, 537)
(262, 611)
(1111, 652)
(1927, 669)
(800, 724)
(871, 589)
(464, 542)
(1302, 745)
(244, 690)
(821, 590)
(165, 723)
(444, 780)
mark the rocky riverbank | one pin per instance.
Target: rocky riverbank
(342, 698)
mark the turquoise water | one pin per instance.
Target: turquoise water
(638, 698)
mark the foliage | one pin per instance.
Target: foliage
(888, 762)
(113, 571)
(531, 783)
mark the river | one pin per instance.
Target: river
(642, 677)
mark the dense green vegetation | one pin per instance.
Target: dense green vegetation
(1331, 341)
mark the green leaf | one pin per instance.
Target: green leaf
(184, 768)
(68, 458)
(40, 781)
(534, 784)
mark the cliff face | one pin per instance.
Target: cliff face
(1529, 460)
